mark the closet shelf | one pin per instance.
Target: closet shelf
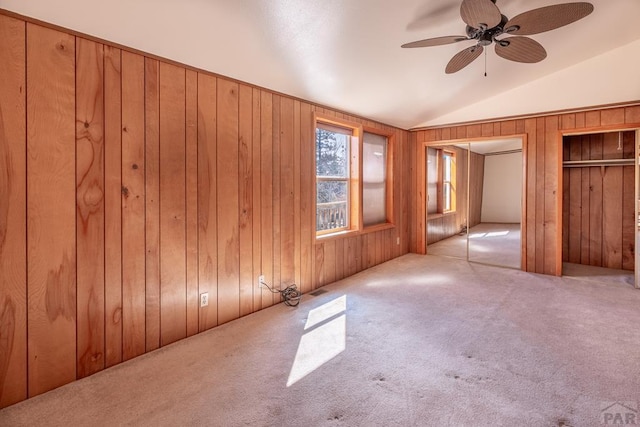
(591, 163)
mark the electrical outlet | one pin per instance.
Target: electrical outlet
(204, 299)
(261, 281)
(397, 240)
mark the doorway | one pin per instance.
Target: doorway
(474, 201)
(598, 205)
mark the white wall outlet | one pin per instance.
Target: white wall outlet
(397, 240)
(204, 299)
(261, 281)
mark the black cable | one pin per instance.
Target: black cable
(290, 294)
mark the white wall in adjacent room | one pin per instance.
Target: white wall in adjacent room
(502, 189)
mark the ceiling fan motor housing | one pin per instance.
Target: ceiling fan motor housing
(486, 36)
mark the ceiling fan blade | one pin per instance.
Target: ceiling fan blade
(480, 13)
(520, 49)
(436, 41)
(547, 18)
(463, 58)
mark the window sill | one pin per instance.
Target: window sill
(337, 235)
(378, 227)
(351, 233)
(439, 215)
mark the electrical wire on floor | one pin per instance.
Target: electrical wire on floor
(290, 294)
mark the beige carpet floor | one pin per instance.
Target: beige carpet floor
(489, 243)
(417, 341)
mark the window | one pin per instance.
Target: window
(441, 181)
(448, 188)
(353, 170)
(374, 179)
(333, 175)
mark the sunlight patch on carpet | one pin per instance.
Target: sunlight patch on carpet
(325, 338)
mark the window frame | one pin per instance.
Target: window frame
(442, 154)
(355, 200)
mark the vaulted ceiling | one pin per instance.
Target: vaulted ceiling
(346, 53)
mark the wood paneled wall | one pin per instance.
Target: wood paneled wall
(542, 157)
(598, 206)
(129, 185)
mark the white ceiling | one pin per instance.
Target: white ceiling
(346, 53)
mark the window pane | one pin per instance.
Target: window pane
(447, 167)
(374, 177)
(331, 206)
(332, 154)
(446, 194)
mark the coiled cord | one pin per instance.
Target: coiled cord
(290, 294)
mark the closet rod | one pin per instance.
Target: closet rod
(590, 163)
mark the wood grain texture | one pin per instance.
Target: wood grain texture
(600, 212)
(152, 202)
(553, 166)
(307, 204)
(133, 206)
(207, 200)
(51, 216)
(228, 202)
(90, 206)
(256, 188)
(191, 194)
(113, 206)
(287, 196)
(13, 214)
(266, 194)
(173, 285)
(174, 182)
(245, 198)
(276, 226)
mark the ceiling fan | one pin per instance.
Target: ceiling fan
(485, 23)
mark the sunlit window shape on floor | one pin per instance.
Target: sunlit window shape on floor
(477, 235)
(324, 339)
(497, 233)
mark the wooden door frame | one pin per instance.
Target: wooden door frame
(422, 189)
(559, 193)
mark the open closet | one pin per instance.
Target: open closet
(598, 209)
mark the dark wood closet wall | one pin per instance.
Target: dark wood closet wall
(598, 206)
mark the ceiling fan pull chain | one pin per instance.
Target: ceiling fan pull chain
(485, 63)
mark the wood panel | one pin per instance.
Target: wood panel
(276, 229)
(287, 198)
(51, 216)
(173, 286)
(133, 206)
(228, 202)
(191, 196)
(245, 197)
(257, 199)
(152, 202)
(90, 206)
(207, 199)
(266, 185)
(113, 206)
(307, 213)
(13, 213)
